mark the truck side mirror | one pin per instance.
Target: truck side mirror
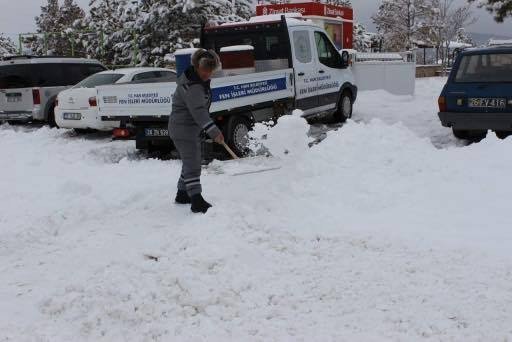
(345, 60)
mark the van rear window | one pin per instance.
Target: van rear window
(485, 68)
(45, 75)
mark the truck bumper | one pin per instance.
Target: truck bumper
(16, 116)
(477, 121)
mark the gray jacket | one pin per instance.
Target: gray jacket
(191, 108)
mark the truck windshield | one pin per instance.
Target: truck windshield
(485, 68)
(98, 80)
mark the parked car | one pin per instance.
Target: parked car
(478, 94)
(77, 107)
(29, 85)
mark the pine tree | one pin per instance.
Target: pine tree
(362, 39)
(7, 46)
(162, 26)
(103, 29)
(55, 26)
(500, 8)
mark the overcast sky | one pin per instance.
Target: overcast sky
(18, 16)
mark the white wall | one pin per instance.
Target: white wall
(395, 77)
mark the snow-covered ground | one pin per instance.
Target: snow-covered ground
(387, 230)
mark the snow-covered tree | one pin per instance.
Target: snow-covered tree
(401, 22)
(500, 8)
(446, 22)
(463, 36)
(362, 39)
(162, 26)
(55, 27)
(7, 46)
(105, 26)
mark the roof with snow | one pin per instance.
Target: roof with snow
(494, 42)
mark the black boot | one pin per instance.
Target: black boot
(199, 205)
(182, 197)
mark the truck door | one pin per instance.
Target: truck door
(305, 68)
(329, 72)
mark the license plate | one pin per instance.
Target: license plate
(487, 103)
(156, 132)
(13, 99)
(72, 116)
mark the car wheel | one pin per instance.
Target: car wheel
(51, 117)
(237, 136)
(471, 135)
(503, 134)
(345, 107)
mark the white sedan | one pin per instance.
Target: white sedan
(77, 107)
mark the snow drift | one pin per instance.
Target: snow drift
(374, 234)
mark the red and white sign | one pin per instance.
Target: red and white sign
(307, 9)
(319, 11)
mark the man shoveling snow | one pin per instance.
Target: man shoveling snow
(189, 117)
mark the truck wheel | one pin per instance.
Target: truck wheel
(503, 134)
(237, 135)
(51, 117)
(470, 135)
(345, 107)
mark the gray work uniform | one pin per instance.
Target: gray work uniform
(189, 117)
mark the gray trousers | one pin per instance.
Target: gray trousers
(190, 153)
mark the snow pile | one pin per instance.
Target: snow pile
(289, 136)
(374, 234)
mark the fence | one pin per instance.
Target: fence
(393, 72)
(73, 46)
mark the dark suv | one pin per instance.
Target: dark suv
(478, 94)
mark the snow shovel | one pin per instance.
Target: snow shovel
(245, 166)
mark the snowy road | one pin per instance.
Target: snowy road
(387, 230)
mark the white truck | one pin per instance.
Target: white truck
(297, 66)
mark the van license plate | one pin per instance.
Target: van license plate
(13, 99)
(156, 132)
(72, 116)
(487, 103)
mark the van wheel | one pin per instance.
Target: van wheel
(470, 135)
(503, 134)
(237, 135)
(51, 117)
(345, 107)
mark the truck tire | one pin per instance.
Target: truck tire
(237, 134)
(345, 107)
(471, 135)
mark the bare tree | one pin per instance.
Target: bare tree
(446, 21)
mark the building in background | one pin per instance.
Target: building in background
(337, 20)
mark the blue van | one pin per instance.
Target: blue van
(478, 94)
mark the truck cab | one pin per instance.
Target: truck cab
(321, 73)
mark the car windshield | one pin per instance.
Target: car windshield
(98, 80)
(485, 68)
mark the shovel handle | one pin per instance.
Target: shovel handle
(230, 151)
